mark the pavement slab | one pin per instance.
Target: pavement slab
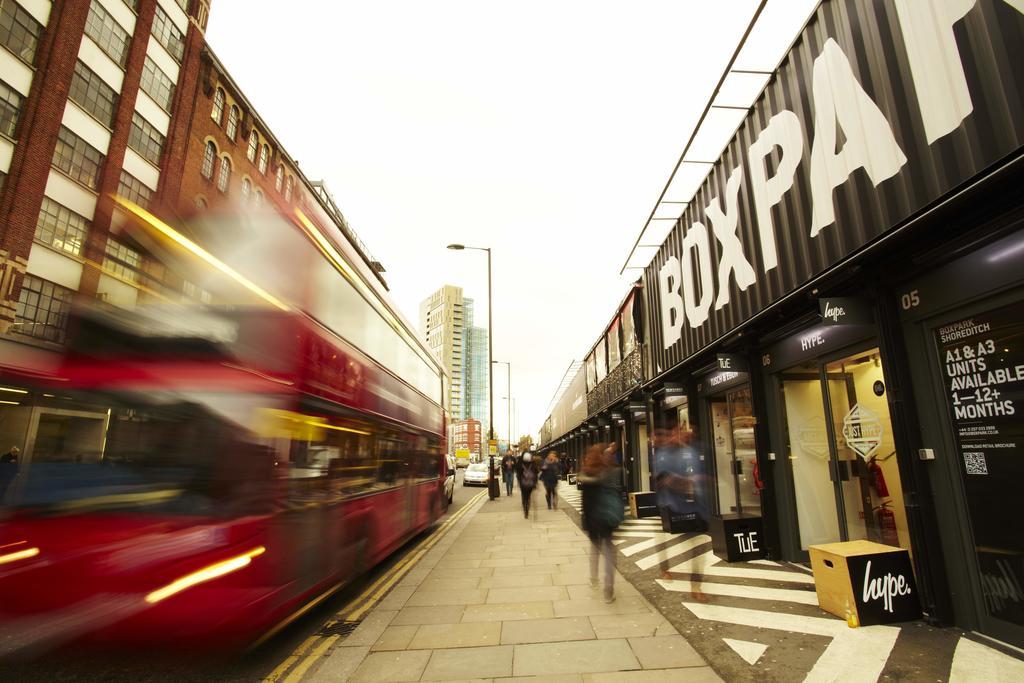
(443, 636)
(526, 594)
(665, 652)
(546, 630)
(578, 657)
(385, 667)
(395, 638)
(460, 663)
(628, 625)
(450, 614)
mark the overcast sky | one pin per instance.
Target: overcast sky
(545, 130)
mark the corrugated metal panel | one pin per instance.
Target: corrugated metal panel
(990, 38)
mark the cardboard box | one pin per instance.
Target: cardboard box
(871, 581)
(643, 504)
(736, 538)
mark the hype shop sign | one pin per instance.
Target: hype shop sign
(868, 120)
(883, 587)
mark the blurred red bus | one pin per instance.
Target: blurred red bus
(194, 474)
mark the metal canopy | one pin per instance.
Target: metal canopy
(757, 56)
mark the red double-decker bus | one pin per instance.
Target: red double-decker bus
(197, 471)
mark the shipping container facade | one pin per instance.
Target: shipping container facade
(804, 314)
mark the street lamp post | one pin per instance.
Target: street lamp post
(509, 397)
(492, 483)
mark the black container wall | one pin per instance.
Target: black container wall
(866, 40)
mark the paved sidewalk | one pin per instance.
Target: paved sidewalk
(502, 598)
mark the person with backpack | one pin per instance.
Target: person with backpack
(550, 473)
(527, 481)
(603, 511)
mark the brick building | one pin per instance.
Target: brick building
(467, 434)
(121, 97)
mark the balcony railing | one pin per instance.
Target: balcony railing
(626, 376)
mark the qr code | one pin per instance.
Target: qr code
(975, 462)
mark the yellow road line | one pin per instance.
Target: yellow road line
(357, 607)
(291, 659)
(304, 665)
(402, 567)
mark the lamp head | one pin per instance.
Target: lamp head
(457, 247)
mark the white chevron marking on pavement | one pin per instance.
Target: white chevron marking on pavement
(741, 591)
(674, 551)
(855, 654)
(708, 564)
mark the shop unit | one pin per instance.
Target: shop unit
(836, 316)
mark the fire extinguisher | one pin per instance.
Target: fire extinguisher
(758, 482)
(887, 524)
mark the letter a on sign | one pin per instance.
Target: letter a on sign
(870, 143)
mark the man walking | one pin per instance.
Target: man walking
(527, 481)
(508, 471)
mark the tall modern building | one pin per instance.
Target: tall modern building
(442, 324)
(475, 374)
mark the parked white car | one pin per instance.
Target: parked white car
(475, 474)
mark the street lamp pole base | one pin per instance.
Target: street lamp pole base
(493, 489)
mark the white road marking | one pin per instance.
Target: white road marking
(751, 652)
(686, 546)
(741, 591)
(708, 565)
(654, 540)
(976, 662)
(855, 654)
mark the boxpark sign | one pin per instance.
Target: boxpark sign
(866, 121)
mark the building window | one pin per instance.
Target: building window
(200, 203)
(254, 145)
(77, 158)
(246, 189)
(288, 189)
(122, 261)
(92, 94)
(61, 228)
(183, 4)
(42, 310)
(157, 84)
(279, 178)
(145, 139)
(259, 198)
(168, 34)
(264, 158)
(10, 109)
(209, 157)
(217, 113)
(19, 31)
(133, 189)
(232, 130)
(107, 33)
(133, 4)
(224, 177)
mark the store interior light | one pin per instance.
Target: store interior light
(13, 390)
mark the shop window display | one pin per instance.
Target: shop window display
(841, 453)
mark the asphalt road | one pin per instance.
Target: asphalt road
(133, 666)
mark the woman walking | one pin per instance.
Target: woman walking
(550, 473)
(527, 481)
(602, 512)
